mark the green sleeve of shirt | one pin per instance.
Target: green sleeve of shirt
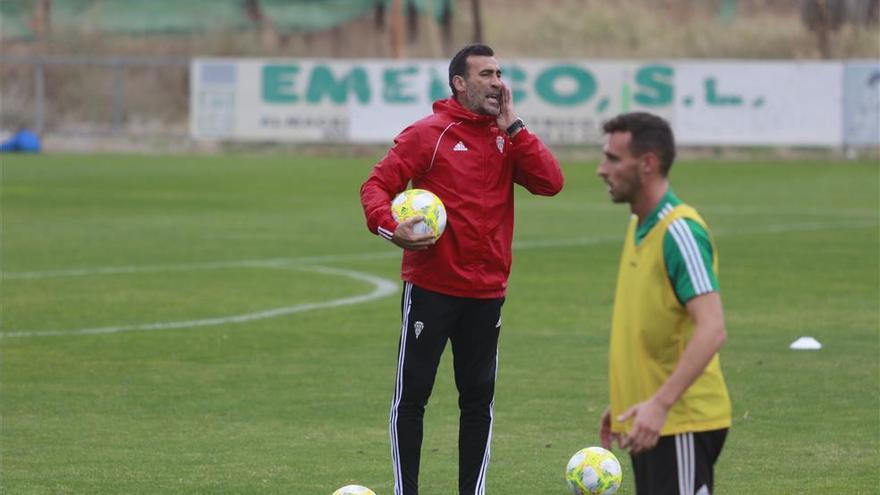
(688, 253)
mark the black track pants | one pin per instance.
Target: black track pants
(472, 326)
(681, 464)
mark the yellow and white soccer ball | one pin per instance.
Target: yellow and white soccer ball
(414, 202)
(593, 471)
(354, 490)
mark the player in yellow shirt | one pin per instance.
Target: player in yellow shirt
(669, 404)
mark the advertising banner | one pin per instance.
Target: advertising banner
(861, 104)
(758, 103)
(371, 101)
(566, 102)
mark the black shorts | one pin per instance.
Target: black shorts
(680, 464)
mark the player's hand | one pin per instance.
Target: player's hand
(507, 116)
(405, 237)
(649, 418)
(606, 437)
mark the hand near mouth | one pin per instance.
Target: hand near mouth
(506, 116)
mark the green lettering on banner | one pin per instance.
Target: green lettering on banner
(715, 99)
(625, 99)
(393, 87)
(515, 75)
(655, 86)
(323, 83)
(278, 83)
(585, 85)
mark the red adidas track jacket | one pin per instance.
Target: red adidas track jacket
(471, 165)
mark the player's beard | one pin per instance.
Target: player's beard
(479, 102)
(627, 189)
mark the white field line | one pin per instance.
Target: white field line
(188, 267)
(395, 253)
(382, 287)
(765, 229)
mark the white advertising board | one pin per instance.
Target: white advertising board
(758, 103)
(370, 101)
(861, 105)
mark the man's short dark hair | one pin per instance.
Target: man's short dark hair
(458, 65)
(649, 132)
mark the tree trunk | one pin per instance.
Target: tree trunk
(397, 49)
(412, 22)
(41, 18)
(478, 21)
(268, 35)
(823, 30)
(446, 25)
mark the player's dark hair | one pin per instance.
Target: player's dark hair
(458, 65)
(649, 132)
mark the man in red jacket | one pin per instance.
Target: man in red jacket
(469, 152)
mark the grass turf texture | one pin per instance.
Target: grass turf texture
(299, 403)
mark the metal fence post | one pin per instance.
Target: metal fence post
(118, 96)
(39, 97)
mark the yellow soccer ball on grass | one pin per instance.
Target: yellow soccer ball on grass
(593, 471)
(414, 202)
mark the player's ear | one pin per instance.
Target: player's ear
(651, 163)
(459, 83)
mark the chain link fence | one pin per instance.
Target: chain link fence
(91, 96)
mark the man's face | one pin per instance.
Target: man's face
(620, 169)
(482, 86)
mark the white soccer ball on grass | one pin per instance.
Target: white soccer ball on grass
(354, 490)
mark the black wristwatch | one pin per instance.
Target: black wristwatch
(515, 126)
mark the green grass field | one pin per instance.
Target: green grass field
(227, 325)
